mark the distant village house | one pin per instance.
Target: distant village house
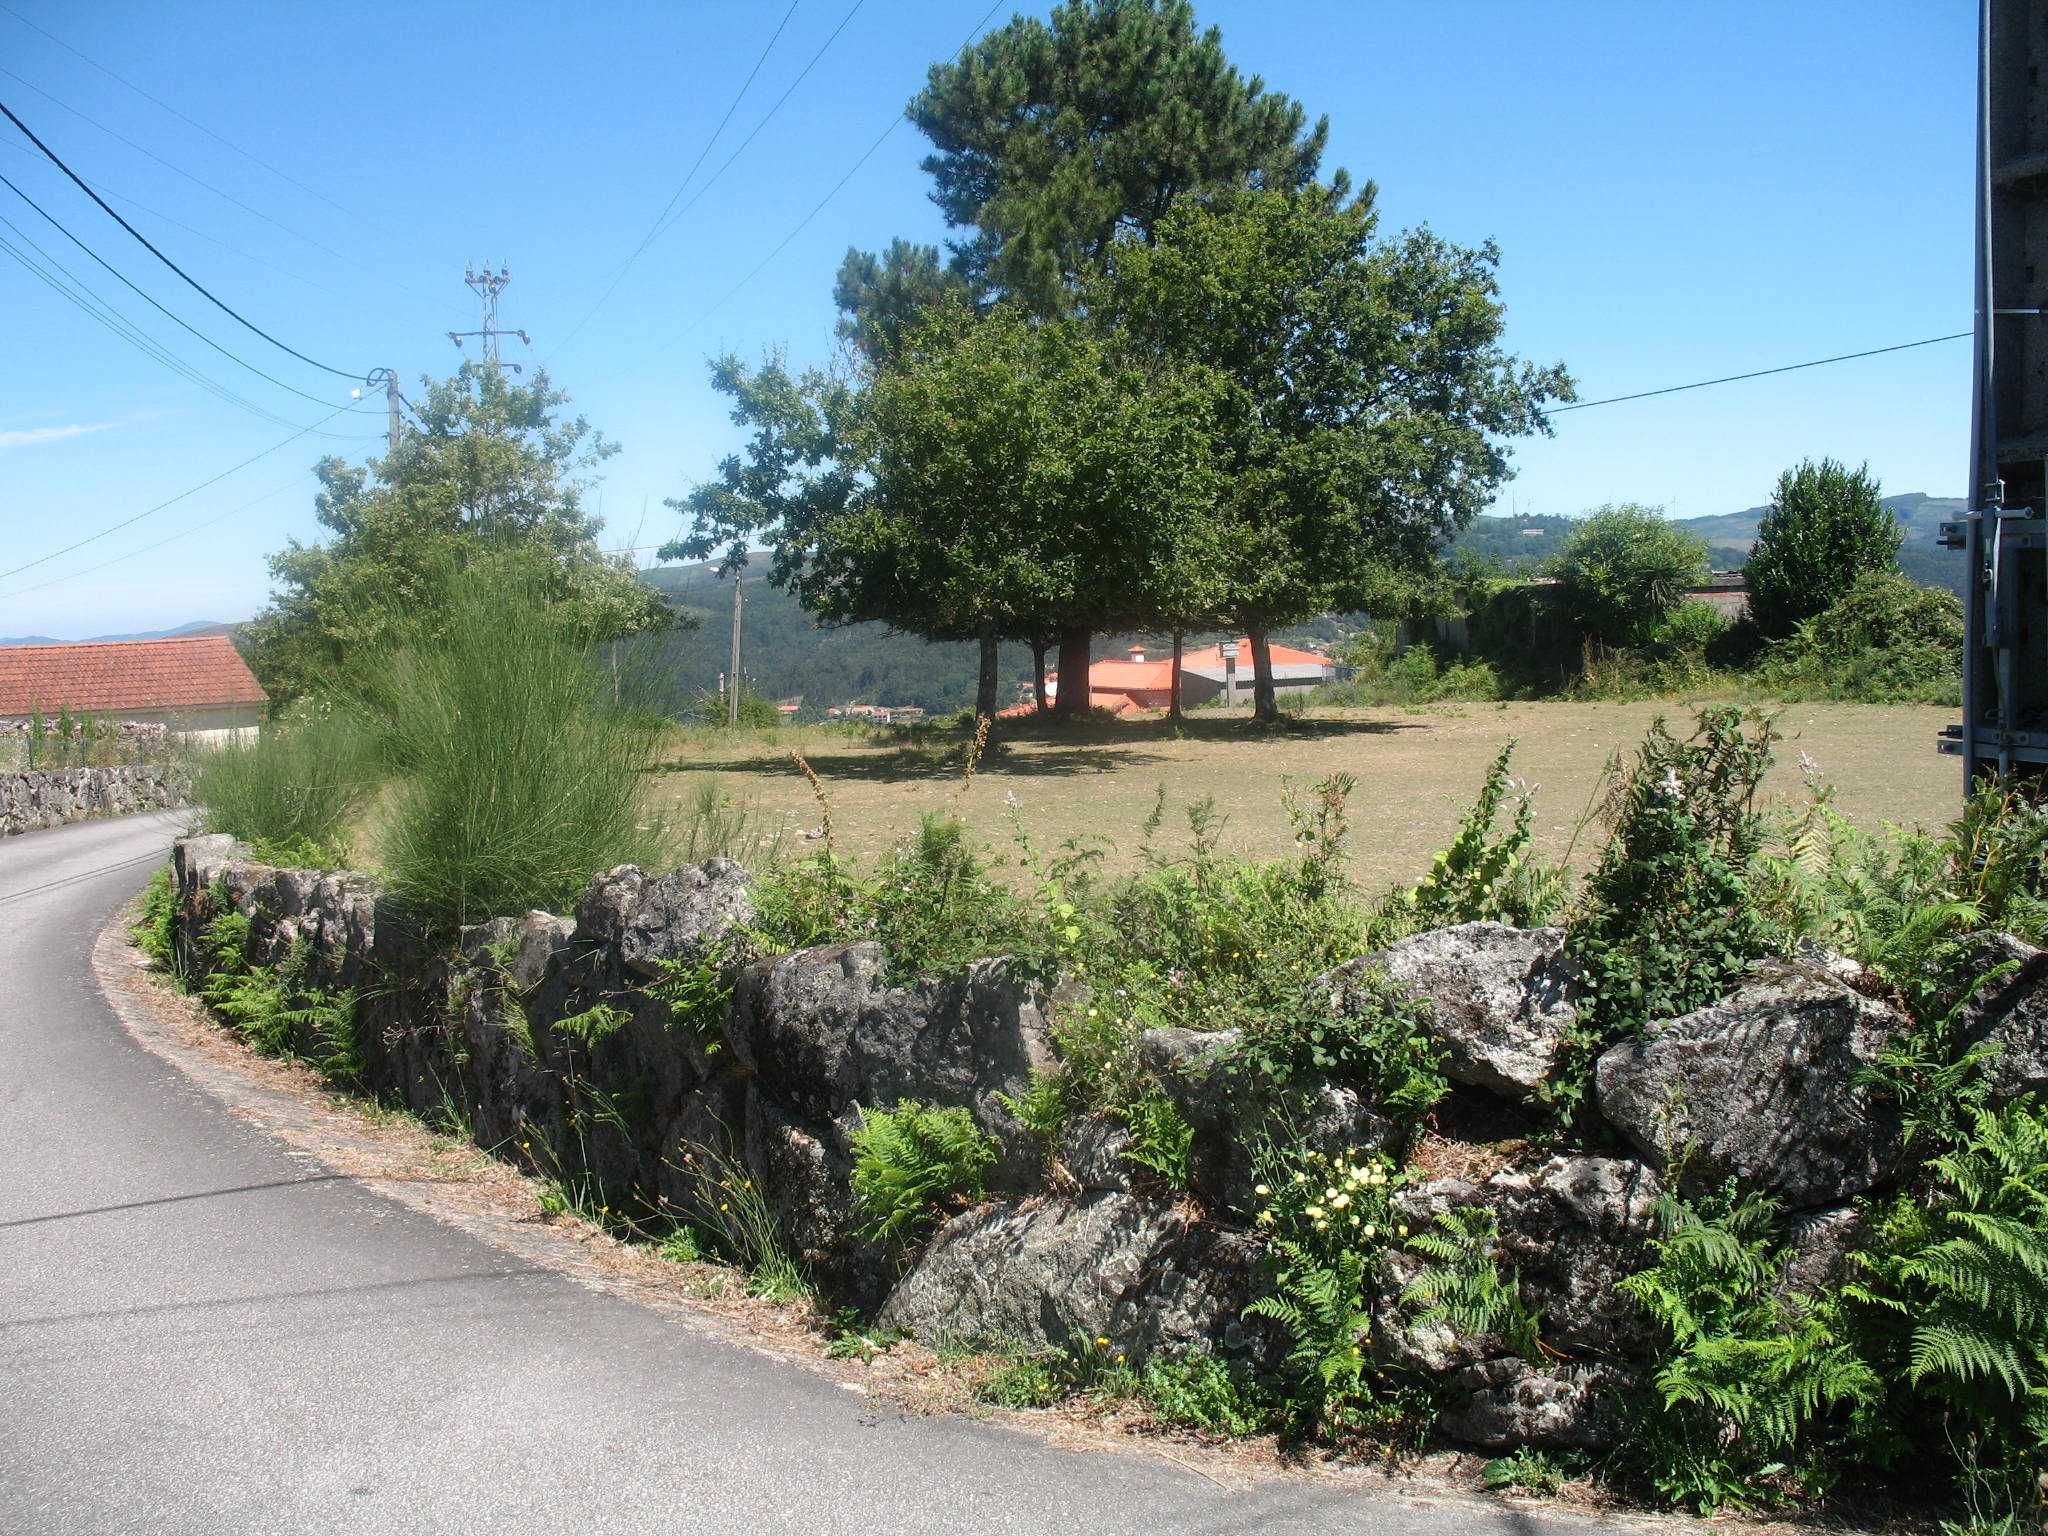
(1143, 681)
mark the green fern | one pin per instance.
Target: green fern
(1321, 1305)
(1468, 1287)
(907, 1159)
(594, 1025)
(1964, 1272)
(1746, 1375)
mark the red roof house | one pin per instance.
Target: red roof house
(1142, 681)
(189, 683)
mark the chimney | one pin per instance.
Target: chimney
(1137, 653)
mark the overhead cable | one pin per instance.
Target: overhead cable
(655, 228)
(168, 501)
(177, 320)
(1736, 378)
(144, 240)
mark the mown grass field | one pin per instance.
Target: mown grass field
(1417, 770)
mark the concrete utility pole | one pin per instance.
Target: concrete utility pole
(488, 286)
(732, 687)
(393, 424)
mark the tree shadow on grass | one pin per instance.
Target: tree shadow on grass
(1059, 748)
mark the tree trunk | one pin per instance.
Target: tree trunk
(986, 685)
(1265, 700)
(1072, 701)
(1039, 646)
(1173, 708)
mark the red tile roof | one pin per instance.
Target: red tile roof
(191, 672)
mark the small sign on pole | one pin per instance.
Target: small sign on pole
(1229, 649)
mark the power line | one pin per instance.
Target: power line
(819, 207)
(655, 228)
(183, 533)
(168, 502)
(160, 256)
(71, 287)
(157, 213)
(204, 185)
(253, 159)
(1736, 378)
(177, 320)
(754, 132)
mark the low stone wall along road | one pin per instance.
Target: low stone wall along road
(202, 1331)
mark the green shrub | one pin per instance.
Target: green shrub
(1624, 572)
(908, 1159)
(1160, 1138)
(1526, 1470)
(1484, 878)
(1690, 629)
(520, 777)
(1667, 923)
(294, 793)
(156, 918)
(930, 903)
(722, 1205)
(1826, 530)
(1886, 640)
(1196, 1390)
(1953, 1294)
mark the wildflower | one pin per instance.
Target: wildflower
(1260, 1189)
(1330, 1194)
(1102, 1341)
(1317, 1212)
(1010, 798)
(1370, 1230)
(1669, 787)
(1341, 1201)
(1265, 1218)
(1402, 1229)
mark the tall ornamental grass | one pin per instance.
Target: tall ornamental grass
(294, 792)
(519, 766)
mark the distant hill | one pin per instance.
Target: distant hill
(197, 627)
(786, 654)
(1524, 541)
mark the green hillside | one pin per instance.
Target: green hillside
(1525, 541)
(785, 654)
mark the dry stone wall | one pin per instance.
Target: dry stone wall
(1073, 1243)
(33, 800)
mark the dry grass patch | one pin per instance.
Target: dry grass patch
(1417, 771)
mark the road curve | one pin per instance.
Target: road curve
(203, 1332)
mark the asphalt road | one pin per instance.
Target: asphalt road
(201, 1332)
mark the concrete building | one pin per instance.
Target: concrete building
(195, 686)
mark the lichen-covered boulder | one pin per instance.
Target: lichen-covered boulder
(1501, 1404)
(648, 920)
(1497, 999)
(1817, 1246)
(1232, 1116)
(1573, 1229)
(2008, 1011)
(1764, 1087)
(1050, 1273)
(1090, 1154)
(822, 1031)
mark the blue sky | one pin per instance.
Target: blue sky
(1678, 190)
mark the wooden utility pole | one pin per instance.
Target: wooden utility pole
(732, 685)
(392, 424)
